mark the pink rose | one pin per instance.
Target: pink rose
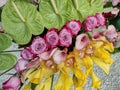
(52, 38)
(104, 2)
(96, 35)
(21, 65)
(59, 56)
(90, 23)
(81, 41)
(2, 2)
(115, 12)
(74, 26)
(65, 37)
(12, 83)
(100, 19)
(110, 33)
(26, 54)
(115, 2)
(38, 45)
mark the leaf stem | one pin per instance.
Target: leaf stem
(6, 71)
(10, 51)
(18, 12)
(76, 4)
(52, 82)
(54, 6)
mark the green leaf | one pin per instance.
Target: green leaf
(5, 41)
(53, 13)
(7, 61)
(20, 20)
(83, 8)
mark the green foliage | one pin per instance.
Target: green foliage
(5, 41)
(7, 61)
(20, 20)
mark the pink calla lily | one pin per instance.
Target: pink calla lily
(81, 41)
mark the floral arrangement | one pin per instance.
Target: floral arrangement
(58, 37)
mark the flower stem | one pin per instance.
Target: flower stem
(76, 4)
(54, 6)
(18, 12)
(52, 82)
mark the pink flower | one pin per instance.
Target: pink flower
(48, 54)
(21, 65)
(115, 12)
(26, 54)
(2, 2)
(65, 37)
(100, 19)
(96, 35)
(90, 23)
(104, 2)
(12, 83)
(111, 33)
(115, 2)
(59, 56)
(81, 41)
(74, 26)
(52, 37)
(38, 45)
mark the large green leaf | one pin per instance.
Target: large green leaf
(51, 18)
(7, 61)
(5, 41)
(21, 29)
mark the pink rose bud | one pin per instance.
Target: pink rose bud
(52, 37)
(115, 2)
(81, 41)
(38, 45)
(26, 54)
(74, 26)
(21, 65)
(59, 56)
(111, 33)
(12, 83)
(65, 37)
(48, 54)
(90, 23)
(100, 19)
(2, 2)
(115, 12)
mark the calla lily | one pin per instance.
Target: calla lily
(21, 65)
(59, 56)
(12, 83)
(81, 41)
(48, 54)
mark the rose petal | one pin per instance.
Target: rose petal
(81, 41)
(2, 2)
(65, 37)
(38, 45)
(74, 26)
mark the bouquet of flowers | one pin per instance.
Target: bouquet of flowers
(58, 37)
